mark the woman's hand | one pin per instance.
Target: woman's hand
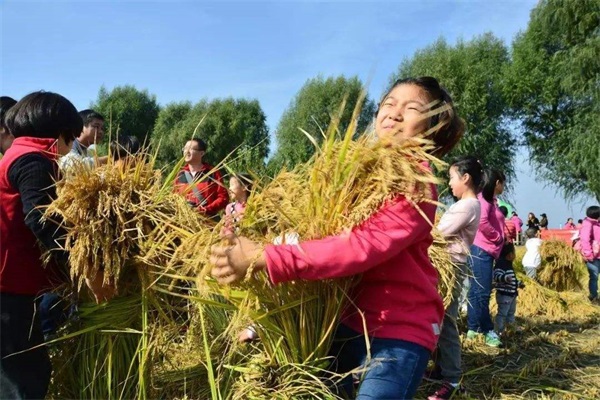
(100, 291)
(231, 263)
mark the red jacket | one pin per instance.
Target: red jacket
(510, 231)
(21, 270)
(398, 289)
(214, 196)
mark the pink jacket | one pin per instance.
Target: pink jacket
(588, 234)
(398, 290)
(490, 235)
(518, 223)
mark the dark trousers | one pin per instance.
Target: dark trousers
(24, 372)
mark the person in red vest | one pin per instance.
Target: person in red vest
(569, 224)
(44, 126)
(199, 182)
(6, 138)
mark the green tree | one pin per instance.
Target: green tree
(311, 110)
(472, 72)
(127, 111)
(553, 88)
(236, 126)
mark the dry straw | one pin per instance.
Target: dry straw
(562, 266)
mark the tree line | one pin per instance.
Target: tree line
(542, 92)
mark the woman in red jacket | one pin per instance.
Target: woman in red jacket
(398, 291)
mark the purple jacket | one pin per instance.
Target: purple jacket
(490, 235)
(588, 234)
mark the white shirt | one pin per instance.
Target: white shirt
(532, 258)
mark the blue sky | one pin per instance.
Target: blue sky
(182, 50)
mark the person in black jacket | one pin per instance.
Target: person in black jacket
(544, 221)
(533, 222)
(507, 286)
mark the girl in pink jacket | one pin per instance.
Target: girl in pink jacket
(484, 251)
(589, 236)
(398, 291)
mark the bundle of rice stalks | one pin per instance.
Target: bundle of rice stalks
(101, 354)
(447, 270)
(115, 213)
(121, 219)
(562, 266)
(536, 300)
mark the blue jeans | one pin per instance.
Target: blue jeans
(478, 309)
(593, 268)
(507, 306)
(394, 371)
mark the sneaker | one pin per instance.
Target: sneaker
(472, 334)
(492, 339)
(448, 391)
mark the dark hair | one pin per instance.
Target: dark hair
(245, 180)
(579, 221)
(507, 249)
(446, 127)
(543, 215)
(490, 177)
(514, 213)
(593, 212)
(88, 115)
(504, 211)
(124, 146)
(471, 166)
(44, 115)
(200, 143)
(531, 232)
(5, 103)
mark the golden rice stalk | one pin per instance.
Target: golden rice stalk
(110, 214)
(536, 300)
(447, 270)
(562, 266)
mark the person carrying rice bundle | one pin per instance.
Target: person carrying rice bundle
(396, 299)
(44, 125)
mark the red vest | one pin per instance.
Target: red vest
(21, 270)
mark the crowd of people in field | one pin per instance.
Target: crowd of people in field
(397, 321)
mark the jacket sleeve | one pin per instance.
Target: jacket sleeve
(498, 275)
(454, 220)
(585, 236)
(32, 175)
(222, 197)
(485, 227)
(383, 236)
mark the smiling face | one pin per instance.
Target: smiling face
(401, 112)
(192, 153)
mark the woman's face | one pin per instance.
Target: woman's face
(401, 112)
